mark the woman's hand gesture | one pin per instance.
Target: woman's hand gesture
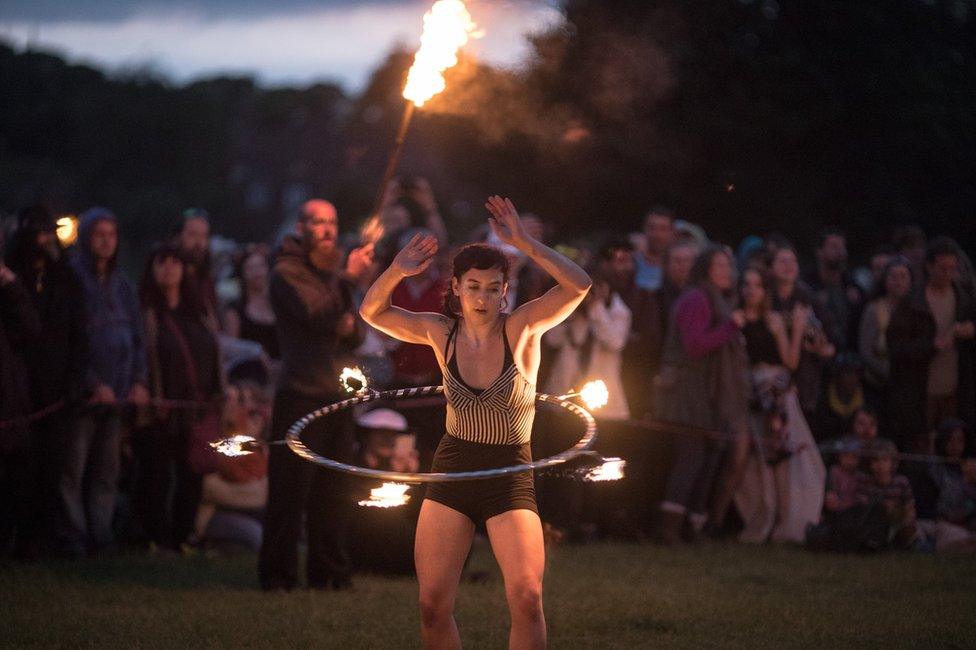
(505, 222)
(416, 256)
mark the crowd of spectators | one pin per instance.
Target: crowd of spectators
(757, 375)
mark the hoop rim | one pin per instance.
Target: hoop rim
(293, 439)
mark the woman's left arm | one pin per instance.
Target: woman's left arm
(572, 282)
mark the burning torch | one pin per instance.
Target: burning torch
(447, 27)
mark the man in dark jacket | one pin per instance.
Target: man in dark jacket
(116, 371)
(57, 359)
(316, 323)
(19, 326)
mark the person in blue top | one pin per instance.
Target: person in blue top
(115, 374)
(490, 361)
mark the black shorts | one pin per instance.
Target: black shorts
(482, 499)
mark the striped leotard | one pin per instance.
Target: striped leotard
(486, 429)
(499, 414)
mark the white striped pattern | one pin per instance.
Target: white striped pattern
(501, 415)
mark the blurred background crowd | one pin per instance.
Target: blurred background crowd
(772, 392)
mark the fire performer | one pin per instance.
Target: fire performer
(489, 361)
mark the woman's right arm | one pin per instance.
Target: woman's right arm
(378, 310)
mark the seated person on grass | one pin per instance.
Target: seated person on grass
(894, 491)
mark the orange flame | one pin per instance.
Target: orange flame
(388, 495)
(447, 27)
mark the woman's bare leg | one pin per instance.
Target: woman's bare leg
(443, 541)
(516, 539)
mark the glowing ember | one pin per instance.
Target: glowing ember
(388, 495)
(612, 469)
(447, 27)
(239, 445)
(595, 394)
(67, 231)
(372, 231)
(353, 380)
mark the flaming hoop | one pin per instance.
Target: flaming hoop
(447, 27)
(582, 448)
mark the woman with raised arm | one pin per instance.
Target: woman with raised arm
(489, 360)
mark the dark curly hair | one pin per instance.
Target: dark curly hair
(473, 256)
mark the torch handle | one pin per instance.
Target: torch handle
(393, 161)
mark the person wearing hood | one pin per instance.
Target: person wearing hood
(316, 323)
(56, 359)
(116, 372)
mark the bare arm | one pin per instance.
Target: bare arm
(378, 311)
(789, 344)
(573, 283)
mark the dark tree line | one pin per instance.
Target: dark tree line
(744, 115)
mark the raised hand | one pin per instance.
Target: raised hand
(416, 255)
(505, 222)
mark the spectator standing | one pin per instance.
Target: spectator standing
(658, 235)
(252, 317)
(789, 290)
(775, 481)
(316, 322)
(895, 283)
(116, 373)
(930, 341)
(193, 238)
(19, 326)
(609, 320)
(841, 298)
(58, 357)
(184, 366)
(703, 383)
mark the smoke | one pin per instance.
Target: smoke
(567, 90)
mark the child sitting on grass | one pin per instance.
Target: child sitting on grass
(844, 480)
(894, 491)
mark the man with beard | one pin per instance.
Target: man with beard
(316, 324)
(833, 287)
(193, 238)
(56, 359)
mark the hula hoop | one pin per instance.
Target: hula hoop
(294, 442)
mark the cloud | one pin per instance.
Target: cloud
(341, 42)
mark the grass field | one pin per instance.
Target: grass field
(597, 596)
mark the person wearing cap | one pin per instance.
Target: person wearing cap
(57, 360)
(387, 441)
(383, 538)
(116, 372)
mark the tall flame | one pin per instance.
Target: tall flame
(447, 27)
(388, 495)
